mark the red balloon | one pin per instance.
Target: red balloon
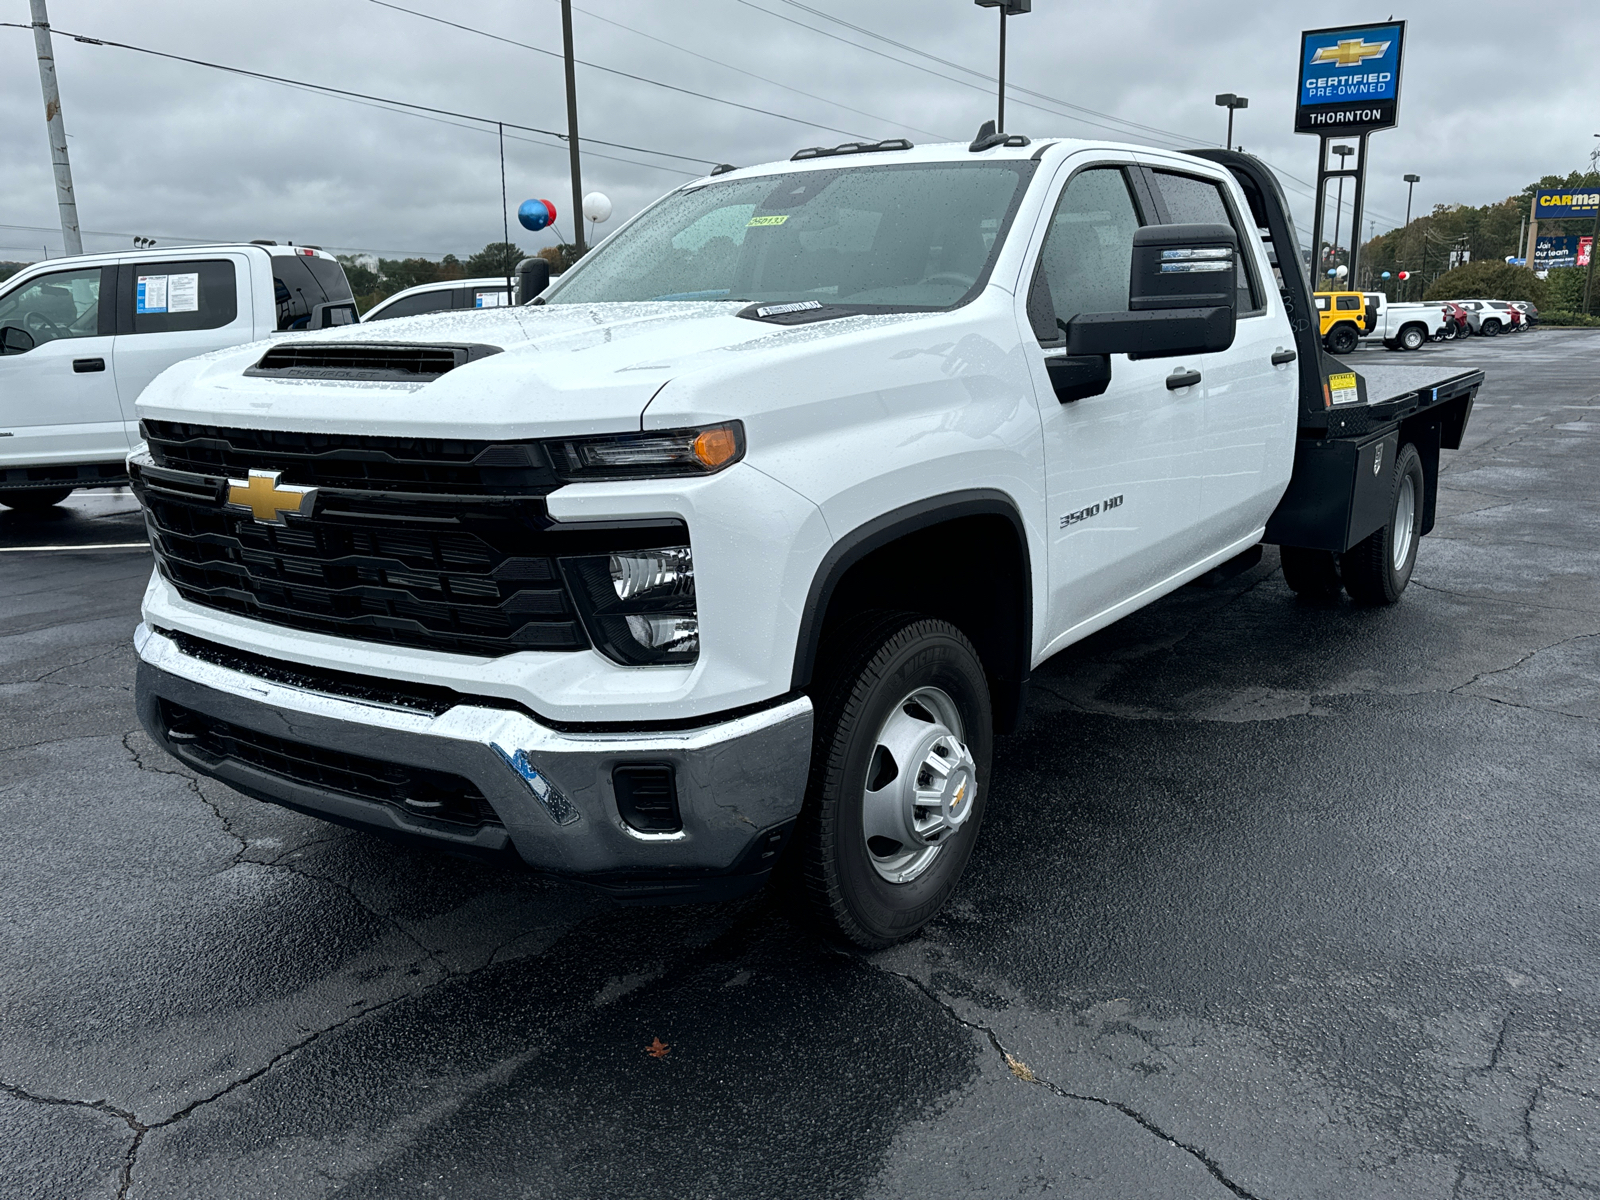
(551, 207)
(1405, 274)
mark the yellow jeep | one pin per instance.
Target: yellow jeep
(1344, 319)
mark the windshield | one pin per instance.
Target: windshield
(918, 236)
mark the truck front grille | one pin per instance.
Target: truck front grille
(386, 464)
(416, 791)
(464, 574)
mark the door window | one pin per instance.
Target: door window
(63, 304)
(1347, 303)
(1192, 201)
(1088, 252)
(411, 306)
(173, 297)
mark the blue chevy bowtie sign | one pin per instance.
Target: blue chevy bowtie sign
(1350, 78)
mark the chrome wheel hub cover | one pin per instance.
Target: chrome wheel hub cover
(1405, 519)
(921, 786)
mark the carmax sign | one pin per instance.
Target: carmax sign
(1552, 204)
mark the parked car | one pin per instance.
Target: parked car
(1343, 319)
(1512, 312)
(1484, 318)
(1402, 325)
(80, 338)
(1456, 321)
(445, 296)
(741, 541)
(1529, 311)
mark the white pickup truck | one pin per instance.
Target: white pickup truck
(1403, 326)
(740, 543)
(80, 338)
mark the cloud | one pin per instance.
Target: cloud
(167, 149)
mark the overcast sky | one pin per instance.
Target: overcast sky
(1495, 94)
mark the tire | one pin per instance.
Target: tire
(1490, 329)
(1342, 339)
(1450, 332)
(1311, 573)
(34, 499)
(873, 871)
(1377, 569)
(1412, 337)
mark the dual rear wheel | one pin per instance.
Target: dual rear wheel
(1377, 569)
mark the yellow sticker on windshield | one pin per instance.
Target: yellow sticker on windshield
(777, 220)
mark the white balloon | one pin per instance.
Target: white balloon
(1343, 270)
(597, 206)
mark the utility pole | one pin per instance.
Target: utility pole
(1008, 8)
(1231, 102)
(57, 129)
(572, 128)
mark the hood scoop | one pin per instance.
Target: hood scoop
(387, 361)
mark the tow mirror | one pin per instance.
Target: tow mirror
(1180, 297)
(533, 277)
(15, 340)
(334, 312)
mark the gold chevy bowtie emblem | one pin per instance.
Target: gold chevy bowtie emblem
(1350, 53)
(264, 498)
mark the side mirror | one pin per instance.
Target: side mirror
(15, 340)
(334, 312)
(533, 277)
(1180, 297)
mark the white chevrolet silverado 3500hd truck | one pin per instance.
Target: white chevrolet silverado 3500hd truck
(740, 543)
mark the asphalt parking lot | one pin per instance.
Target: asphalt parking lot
(1274, 900)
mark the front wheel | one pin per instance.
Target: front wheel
(1377, 569)
(899, 774)
(1412, 337)
(1342, 339)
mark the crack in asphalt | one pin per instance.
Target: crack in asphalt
(1199, 1155)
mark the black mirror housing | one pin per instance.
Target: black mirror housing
(334, 312)
(533, 277)
(1180, 297)
(15, 340)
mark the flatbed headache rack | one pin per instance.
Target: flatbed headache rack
(1347, 442)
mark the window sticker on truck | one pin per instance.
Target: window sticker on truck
(1342, 389)
(774, 220)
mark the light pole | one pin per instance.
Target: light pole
(1230, 102)
(1411, 184)
(65, 200)
(1008, 8)
(1343, 152)
(572, 131)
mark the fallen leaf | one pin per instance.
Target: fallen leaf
(659, 1049)
(1021, 1069)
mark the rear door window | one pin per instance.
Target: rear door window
(1347, 303)
(168, 297)
(481, 297)
(411, 306)
(1193, 201)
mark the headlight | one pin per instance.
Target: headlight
(638, 605)
(701, 451)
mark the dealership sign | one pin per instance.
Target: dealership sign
(1551, 204)
(1552, 252)
(1350, 79)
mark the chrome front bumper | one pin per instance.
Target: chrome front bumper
(740, 782)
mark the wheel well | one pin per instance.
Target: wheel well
(966, 567)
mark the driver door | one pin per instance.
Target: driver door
(58, 400)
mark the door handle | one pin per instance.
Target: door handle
(1282, 357)
(84, 365)
(1182, 379)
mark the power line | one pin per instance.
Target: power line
(322, 87)
(764, 79)
(671, 87)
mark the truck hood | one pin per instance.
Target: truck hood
(563, 369)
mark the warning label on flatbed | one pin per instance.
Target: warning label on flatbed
(1342, 389)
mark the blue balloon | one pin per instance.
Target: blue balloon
(1333, 270)
(534, 215)
(1386, 274)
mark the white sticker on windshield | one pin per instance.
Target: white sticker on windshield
(152, 294)
(490, 300)
(183, 293)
